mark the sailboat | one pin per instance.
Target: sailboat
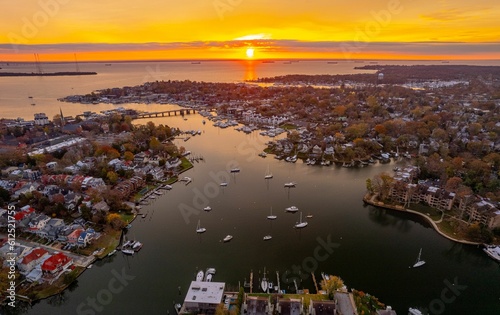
(271, 216)
(419, 262)
(268, 175)
(263, 283)
(301, 224)
(200, 229)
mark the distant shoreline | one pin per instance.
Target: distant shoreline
(48, 74)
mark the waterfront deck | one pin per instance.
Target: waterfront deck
(167, 113)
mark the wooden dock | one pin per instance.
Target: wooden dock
(315, 283)
(251, 281)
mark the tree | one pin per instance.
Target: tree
(331, 285)
(115, 220)
(128, 156)
(112, 177)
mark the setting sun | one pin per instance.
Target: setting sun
(250, 52)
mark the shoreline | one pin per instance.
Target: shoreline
(369, 199)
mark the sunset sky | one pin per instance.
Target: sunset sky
(219, 29)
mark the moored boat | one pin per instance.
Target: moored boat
(200, 229)
(419, 262)
(267, 237)
(292, 209)
(301, 224)
(227, 238)
(200, 275)
(493, 252)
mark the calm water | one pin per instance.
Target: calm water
(371, 248)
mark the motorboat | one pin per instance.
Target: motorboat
(235, 170)
(292, 209)
(223, 184)
(207, 208)
(414, 311)
(227, 238)
(267, 237)
(419, 262)
(200, 275)
(493, 251)
(208, 278)
(290, 185)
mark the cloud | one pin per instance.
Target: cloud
(453, 14)
(268, 45)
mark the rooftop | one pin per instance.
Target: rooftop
(205, 292)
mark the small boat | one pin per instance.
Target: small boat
(203, 121)
(414, 311)
(224, 184)
(200, 229)
(268, 175)
(271, 216)
(200, 275)
(235, 170)
(267, 237)
(309, 216)
(493, 252)
(208, 278)
(290, 185)
(292, 209)
(207, 208)
(112, 253)
(419, 262)
(227, 238)
(263, 154)
(137, 246)
(128, 251)
(89, 266)
(167, 187)
(144, 215)
(210, 271)
(263, 282)
(300, 224)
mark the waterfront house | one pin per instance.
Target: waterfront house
(203, 297)
(290, 306)
(29, 261)
(257, 305)
(100, 206)
(56, 263)
(35, 275)
(323, 307)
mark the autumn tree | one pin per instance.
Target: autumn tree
(115, 221)
(331, 284)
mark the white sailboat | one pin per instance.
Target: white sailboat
(301, 224)
(271, 216)
(264, 283)
(268, 175)
(419, 262)
(290, 185)
(200, 229)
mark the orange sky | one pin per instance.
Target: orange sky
(218, 29)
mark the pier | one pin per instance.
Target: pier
(251, 281)
(167, 113)
(315, 283)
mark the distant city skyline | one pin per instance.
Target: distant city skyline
(244, 29)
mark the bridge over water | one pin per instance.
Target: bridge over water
(167, 113)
